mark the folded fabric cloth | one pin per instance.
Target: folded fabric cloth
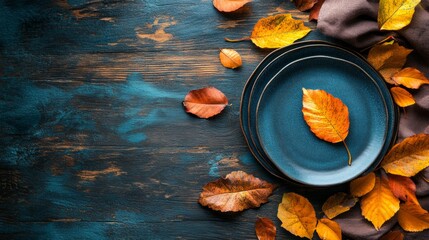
(355, 23)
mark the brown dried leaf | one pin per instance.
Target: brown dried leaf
(362, 185)
(230, 58)
(337, 204)
(380, 204)
(229, 5)
(410, 78)
(265, 229)
(304, 5)
(297, 215)
(393, 235)
(403, 188)
(236, 192)
(205, 102)
(328, 229)
(413, 217)
(314, 12)
(408, 157)
(388, 59)
(402, 97)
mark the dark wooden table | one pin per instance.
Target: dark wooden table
(94, 141)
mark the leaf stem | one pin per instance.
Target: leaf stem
(348, 153)
(237, 39)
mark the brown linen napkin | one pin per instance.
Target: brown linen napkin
(355, 23)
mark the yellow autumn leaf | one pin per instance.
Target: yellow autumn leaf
(388, 58)
(380, 204)
(278, 31)
(410, 78)
(402, 97)
(327, 116)
(297, 215)
(230, 58)
(362, 185)
(337, 204)
(408, 157)
(395, 15)
(413, 217)
(328, 229)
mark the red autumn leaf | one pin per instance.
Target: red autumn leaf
(304, 5)
(403, 188)
(236, 192)
(265, 229)
(314, 12)
(205, 102)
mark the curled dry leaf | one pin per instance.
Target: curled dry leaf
(408, 157)
(230, 58)
(328, 229)
(205, 102)
(314, 12)
(278, 31)
(337, 204)
(410, 78)
(362, 185)
(229, 5)
(380, 204)
(388, 58)
(236, 192)
(304, 5)
(297, 215)
(393, 235)
(265, 229)
(327, 117)
(413, 217)
(395, 15)
(402, 97)
(403, 188)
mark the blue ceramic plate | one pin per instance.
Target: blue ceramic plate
(287, 140)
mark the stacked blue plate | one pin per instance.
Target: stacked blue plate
(274, 128)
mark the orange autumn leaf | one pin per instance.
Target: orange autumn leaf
(297, 215)
(304, 5)
(229, 5)
(327, 116)
(393, 235)
(403, 188)
(328, 229)
(402, 97)
(205, 102)
(230, 58)
(362, 185)
(314, 12)
(388, 58)
(236, 192)
(410, 78)
(337, 204)
(380, 204)
(413, 217)
(408, 157)
(395, 15)
(265, 229)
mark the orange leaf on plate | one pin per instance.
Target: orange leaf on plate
(236, 192)
(395, 15)
(402, 97)
(393, 235)
(413, 217)
(327, 116)
(230, 58)
(205, 102)
(403, 188)
(265, 229)
(337, 204)
(229, 5)
(314, 12)
(380, 204)
(408, 157)
(297, 215)
(410, 78)
(362, 185)
(388, 58)
(304, 5)
(328, 229)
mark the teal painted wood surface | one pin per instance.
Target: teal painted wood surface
(94, 142)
